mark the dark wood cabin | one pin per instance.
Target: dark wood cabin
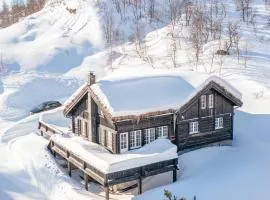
(205, 119)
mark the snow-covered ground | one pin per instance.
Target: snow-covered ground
(48, 55)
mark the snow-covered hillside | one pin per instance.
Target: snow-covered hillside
(47, 56)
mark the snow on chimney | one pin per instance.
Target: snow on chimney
(91, 78)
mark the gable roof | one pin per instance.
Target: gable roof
(75, 98)
(147, 96)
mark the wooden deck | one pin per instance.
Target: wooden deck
(107, 179)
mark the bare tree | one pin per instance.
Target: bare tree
(198, 35)
(188, 11)
(4, 15)
(152, 9)
(244, 6)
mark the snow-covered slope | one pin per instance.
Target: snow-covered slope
(48, 55)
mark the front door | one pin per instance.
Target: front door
(123, 142)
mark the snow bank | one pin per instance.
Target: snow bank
(99, 157)
(140, 95)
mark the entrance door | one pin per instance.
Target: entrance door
(123, 142)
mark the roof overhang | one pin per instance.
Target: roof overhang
(72, 103)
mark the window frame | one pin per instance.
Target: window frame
(149, 135)
(193, 127)
(210, 101)
(203, 101)
(109, 139)
(135, 139)
(219, 123)
(160, 131)
(122, 150)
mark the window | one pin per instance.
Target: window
(102, 135)
(135, 139)
(123, 142)
(211, 101)
(149, 135)
(203, 101)
(109, 139)
(219, 123)
(193, 127)
(162, 131)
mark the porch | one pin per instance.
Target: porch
(95, 164)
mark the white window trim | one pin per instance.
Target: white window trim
(149, 133)
(203, 102)
(211, 101)
(126, 141)
(161, 130)
(192, 129)
(219, 123)
(109, 139)
(136, 134)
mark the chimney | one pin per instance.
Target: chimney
(91, 78)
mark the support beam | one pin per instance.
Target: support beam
(140, 185)
(69, 168)
(86, 181)
(175, 174)
(107, 192)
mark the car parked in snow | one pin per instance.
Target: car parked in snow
(48, 105)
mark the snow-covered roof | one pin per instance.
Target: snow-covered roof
(137, 96)
(73, 99)
(103, 160)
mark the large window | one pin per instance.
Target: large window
(135, 139)
(149, 135)
(123, 142)
(203, 101)
(109, 139)
(219, 123)
(162, 131)
(101, 138)
(211, 101)
(193, 127)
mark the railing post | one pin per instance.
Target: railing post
(69, 168)
(175, 170)
(107, 192)
(86, 181)
(140, 185)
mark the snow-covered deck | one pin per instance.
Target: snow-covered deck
(106, 162)
(110, 169)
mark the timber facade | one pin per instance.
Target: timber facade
(205, 119)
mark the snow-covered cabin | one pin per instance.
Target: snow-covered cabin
(125, 114)
(127, 129)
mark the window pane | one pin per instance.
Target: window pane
(109, 139)
(219, 123)
(165, 131)
(193, 127)
(138, 138)
(211, 101)
(203, 101)
(132, 139)
(159, 131)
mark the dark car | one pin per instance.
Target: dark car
(48, 105)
